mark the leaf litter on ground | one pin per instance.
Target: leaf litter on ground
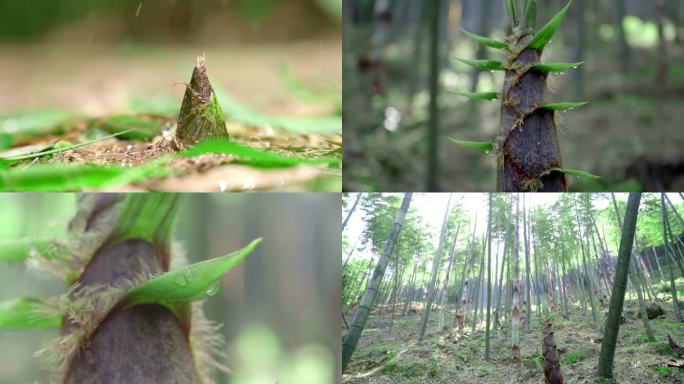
(64, 152)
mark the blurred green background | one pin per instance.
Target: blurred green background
(118, 56)
(279, 308)
(630, 134)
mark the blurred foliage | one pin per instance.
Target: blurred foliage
(21, 21)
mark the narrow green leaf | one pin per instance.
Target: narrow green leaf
(479, 96)
(577, 173)
(148, 216)
(531, 14)
(190, 283)
(138, 128)
(6, 141)
(17, 250)
(545, 34)
(486, 41)
(61, 177)
(61, 149)
(509, 10)
(27, 313)
(556, 67)
(485, 65)
(512, 7)
(483, 146)
(253, 156)
(563, 106)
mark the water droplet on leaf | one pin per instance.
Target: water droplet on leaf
(213, 289)
(181, 280)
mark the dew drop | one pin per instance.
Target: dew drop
(189, 275)
(213, 289)
(181, 281)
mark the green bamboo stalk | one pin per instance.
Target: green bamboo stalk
(617, 298)
(351, 338)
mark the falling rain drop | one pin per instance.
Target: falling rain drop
(137, 12)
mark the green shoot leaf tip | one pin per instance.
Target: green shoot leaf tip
(194, 282)
(544, 35)
(556, 67)
(486, 41)
(485, 65)
(479, 96)
(576, 173)
(27, 313)
(564, 106)
(483, 146)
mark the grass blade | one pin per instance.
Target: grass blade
(17, 250)
(190, 283)
(545, 34)
(27, 313)
(485, 65)
(487, 42)
(563, 106)
(483, 146)
(61, 149)
(253, 156)
(556, 67)
(479, 96)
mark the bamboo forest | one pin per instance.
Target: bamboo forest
(513, 288)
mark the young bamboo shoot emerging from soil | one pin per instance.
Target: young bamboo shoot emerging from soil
(552, 370)
(527, 149)
(200, 116)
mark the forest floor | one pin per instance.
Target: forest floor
(280, 101)
(450, 356)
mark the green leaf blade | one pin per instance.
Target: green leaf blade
(483, 146)
(254, 156)
(18, 250)
(567, 106)
(27, 313)
(576, 173)
(479, 96)
(556, 67)
(62, 177)
(485, 65)
(190, 283)
(486, 41)
(544, 35)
